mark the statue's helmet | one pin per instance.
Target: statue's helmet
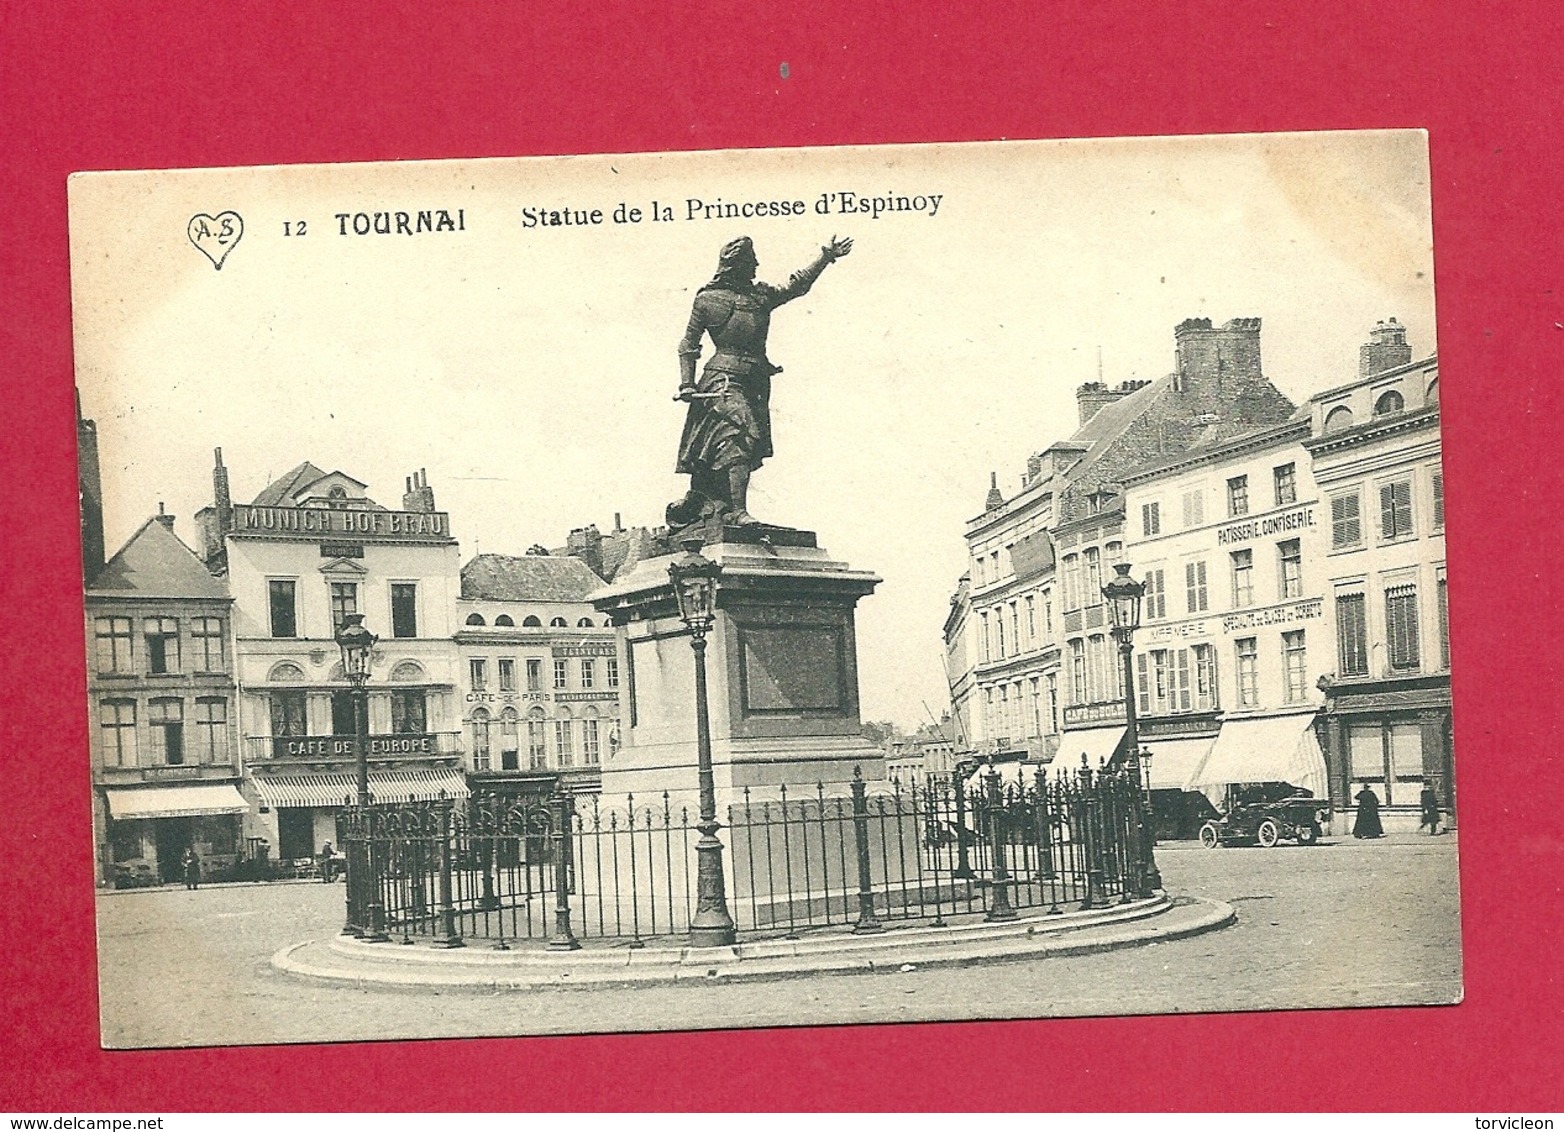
(736, 253)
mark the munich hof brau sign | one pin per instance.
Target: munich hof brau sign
(322, 522)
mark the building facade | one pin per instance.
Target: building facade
(160, 689)
(1019, 692)
(540, 671)
(1228, 540)
(1375, 445)
(309, 549)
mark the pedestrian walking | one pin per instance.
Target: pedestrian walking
(190, 865)
(328, 864)
(1430, 803)
(1366, 824)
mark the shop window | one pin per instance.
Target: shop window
(534, 674)
(1388, 756)
(125, 841)
(1291, 574)
(1243, 578)
(561, 675)
(1352, 634)
(167, 720)
(212, 730)
(344, 600)
(1238, 496)
(206, 639)
(510, 741)
(288, 714)
(1285, 479)
(480, 739)
(1247, 651)
(507, 674)
(409, 712)
(114, 635)
(1196, 599)
(1401, 628)
(162, 637)
(282, 603)
(1395, 510)
(404, 609)
(117, 721)
(1346, 521)
(1295, 665)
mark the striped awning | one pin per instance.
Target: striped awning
(175, 801)
(311, 791)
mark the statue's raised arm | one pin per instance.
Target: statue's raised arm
(727, 432)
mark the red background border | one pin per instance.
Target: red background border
(90, 86)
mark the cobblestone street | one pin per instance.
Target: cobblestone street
(1342, 924)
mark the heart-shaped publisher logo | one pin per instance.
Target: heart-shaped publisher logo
(215, 236)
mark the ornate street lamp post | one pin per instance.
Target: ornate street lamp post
(1124, 595)
(366, 912)
(694, 580)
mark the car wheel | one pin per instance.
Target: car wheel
(1209, 836)
(1268, 834)
(1308, 834)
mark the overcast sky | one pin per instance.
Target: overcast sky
(530, 370)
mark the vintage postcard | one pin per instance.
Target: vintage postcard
(754, 588)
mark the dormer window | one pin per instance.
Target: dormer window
(1389, 402)
(337, 497)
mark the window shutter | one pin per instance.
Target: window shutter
(1439, 501)
(1346, 527)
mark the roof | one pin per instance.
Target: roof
(280, 492)
(531, 577)
(155, 563)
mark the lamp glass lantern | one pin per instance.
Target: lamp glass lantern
(694, 579)
(1124, 595)
(356, 643)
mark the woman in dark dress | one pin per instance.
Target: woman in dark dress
(1430, 804)
(191, 865)
(1367, 822)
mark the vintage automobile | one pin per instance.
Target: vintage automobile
(1262, 814)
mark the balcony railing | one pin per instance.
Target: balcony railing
(420, 745)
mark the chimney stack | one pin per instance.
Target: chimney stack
(220, 494)
(89, 482)
(1220, 360)
(1386, 349)
(164, 517)
(995, 498)
(419, 495)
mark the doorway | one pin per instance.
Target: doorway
(174, 836)
(295, 834)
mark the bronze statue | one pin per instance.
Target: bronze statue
(727, 433)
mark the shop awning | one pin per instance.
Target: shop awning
(1277, 748)
(311, 791)
(195, 800)
(1096, 743)
(1174, 761)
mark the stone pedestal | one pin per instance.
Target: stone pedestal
(782, 668)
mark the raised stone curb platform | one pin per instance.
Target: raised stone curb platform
(481, 967)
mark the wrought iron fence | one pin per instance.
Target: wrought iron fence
(560, 867)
